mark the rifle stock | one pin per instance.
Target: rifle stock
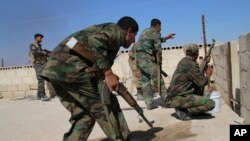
(122, 91)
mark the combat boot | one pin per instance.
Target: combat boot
(139, 95)
(151, 107)
(45, 98)
(182, 115)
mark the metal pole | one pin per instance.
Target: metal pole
(204, 34)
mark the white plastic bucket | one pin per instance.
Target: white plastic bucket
(215, 95)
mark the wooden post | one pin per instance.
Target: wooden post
(204, 34)
(229, 75)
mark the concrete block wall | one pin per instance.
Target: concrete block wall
(170, 58)
(18, 81)
(244, 54)
(220, 55)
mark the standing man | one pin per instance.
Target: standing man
(39, 57)
(135, 72)
(184, 92)
(77, 69)
(148, 45)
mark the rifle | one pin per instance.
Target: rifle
(206, 61)
(159, 71)
(47, 52)
(122, 91)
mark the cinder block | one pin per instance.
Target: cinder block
(245, 114)
(10, 73)
(23, 87)
(2, 74)
(17, 80)
(19, 94)
(3, 88)
(244, 43)
(11, 88)
(31, 72)
(245, 61)
(8, 94)
(33, 86)
(31, 93)
(5, 81)
(243, 96)
(22, 72)
(29, 80)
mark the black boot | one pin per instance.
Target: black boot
(139, 95)
(182, 114)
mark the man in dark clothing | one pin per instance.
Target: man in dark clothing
(38, 56)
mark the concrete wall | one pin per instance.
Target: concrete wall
(220, 54)
(21, 81)
(18, 81)
(171, 57)
(244, 54)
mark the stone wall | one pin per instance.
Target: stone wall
(244, 54)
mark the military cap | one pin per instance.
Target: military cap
(191, 49)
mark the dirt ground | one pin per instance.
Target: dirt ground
(25, 119)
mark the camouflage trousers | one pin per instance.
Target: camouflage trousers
(41, 82)
(82, 100)
(135, 72)
(148, 68)
(193, 103)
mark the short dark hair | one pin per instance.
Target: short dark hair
(155, 22)
(191, 53)
(128, 22)
(38, 35)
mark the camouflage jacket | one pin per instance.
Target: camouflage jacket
(103, 41)
(150, 41)
(37, 52)
(132, 52)
(187, 78)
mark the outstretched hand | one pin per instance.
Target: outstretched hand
(170, 36)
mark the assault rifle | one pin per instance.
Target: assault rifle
(122, 91)
(47, 52)
(206, 61)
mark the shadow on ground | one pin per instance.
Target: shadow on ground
(139, 135)
(196, 117)
(176, 131)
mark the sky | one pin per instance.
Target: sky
(225, 20)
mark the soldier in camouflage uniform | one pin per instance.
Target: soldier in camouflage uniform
(39, 59)
(184, 92)
(79, 81)
(136, 72)
(149, 44)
